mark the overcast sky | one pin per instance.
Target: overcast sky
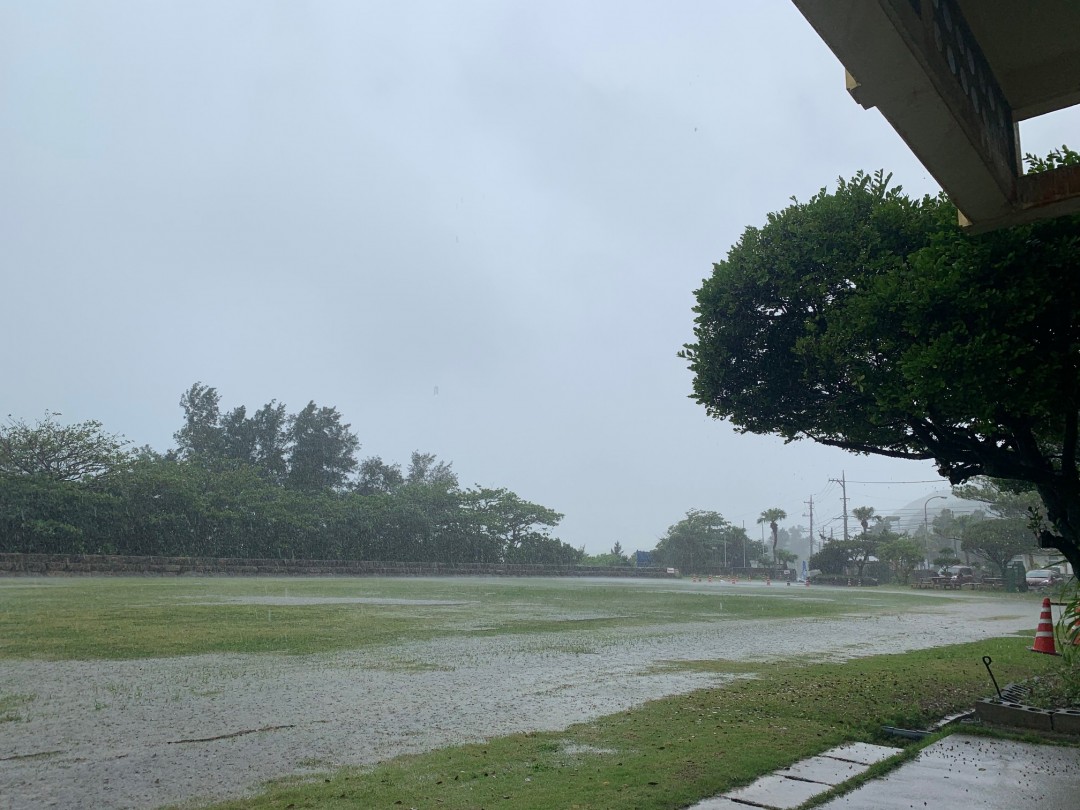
(475, 228)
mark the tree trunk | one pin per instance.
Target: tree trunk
(1062, 500)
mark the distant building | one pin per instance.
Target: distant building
(909, 518)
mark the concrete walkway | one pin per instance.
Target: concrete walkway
(960, 770)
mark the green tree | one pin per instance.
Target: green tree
(794, 538)
(79, 452)
(237, 438)
(700, 541)
(268, 426)
(427, 522)
(1006, 499)
(259, 441)
(214, 439)
(772, 517)
(377, 477)
(43, 515)
(322, 449)
(784, 557)
(902, 554)
(54, 486)
(187, 508)
(858, 550)
(425, 468)
(503, 522)
(832, 558)
(870, 321)
(864, 514)
(612, 559)
(200, 437)
(998, 540)
(945, 557)
(540, 549)
(949, 527)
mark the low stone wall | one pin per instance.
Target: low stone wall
(114, 565)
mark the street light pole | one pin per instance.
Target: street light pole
(926, 519)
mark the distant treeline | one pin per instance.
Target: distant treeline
(269, 485)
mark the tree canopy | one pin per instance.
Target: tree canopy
(78, 452)
(266, 485)
(311, 450)
(998, 540)
(868, 320)
(704, 541)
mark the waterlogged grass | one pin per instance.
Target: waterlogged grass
(115, 632)
(12, 707)
(676, 751)
(125, 618)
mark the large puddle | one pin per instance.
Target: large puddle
(286, 601)
(146, 733)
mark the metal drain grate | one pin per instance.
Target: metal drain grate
(1015, 693)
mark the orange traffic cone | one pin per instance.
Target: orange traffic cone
(1044, 635)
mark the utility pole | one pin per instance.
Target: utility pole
(843, 489)
(810, 503)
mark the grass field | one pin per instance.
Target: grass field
(124, 618)
(373, 692)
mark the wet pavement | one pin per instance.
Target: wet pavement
(791, 787)
(959, 770)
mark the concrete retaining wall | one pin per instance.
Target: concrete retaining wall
(1018, 715)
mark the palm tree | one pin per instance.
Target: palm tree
(771, 516)
(864, 514)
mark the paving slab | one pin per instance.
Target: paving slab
(864, 753)
(825, 770)
(802, 781)
(720, 803)
(990, 774)
(777, 792)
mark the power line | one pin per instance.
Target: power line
(934, 481)
(829, 487)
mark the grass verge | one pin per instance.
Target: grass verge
(672, 752)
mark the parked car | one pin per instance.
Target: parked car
(1043, 578)
(959, 574)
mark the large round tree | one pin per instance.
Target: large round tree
(870, 321)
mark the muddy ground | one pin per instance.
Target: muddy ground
(145, 733)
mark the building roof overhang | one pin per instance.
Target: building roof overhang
(954, 78)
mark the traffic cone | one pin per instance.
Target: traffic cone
(1044, 635)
